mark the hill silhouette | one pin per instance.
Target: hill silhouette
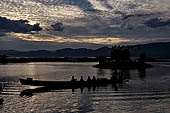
(160, 49)
(152, 49)
(67, 52)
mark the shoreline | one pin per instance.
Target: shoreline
(66, 59)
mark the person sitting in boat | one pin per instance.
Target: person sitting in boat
(94, 79)
(81, 79)
(73, 79)
(82, 83)
(89, 80)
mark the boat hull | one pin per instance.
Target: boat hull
(65, 84)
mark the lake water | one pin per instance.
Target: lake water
(147, 91)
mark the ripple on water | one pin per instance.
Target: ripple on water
(104, 100)
(150, 98)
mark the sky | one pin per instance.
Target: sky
(55, 24)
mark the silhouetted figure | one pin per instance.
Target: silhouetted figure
(89, 83)
(73, 79)
(88, 79)
(82, 83)
(94, 83)
(94, 79)
(73, 83)
(81, 79)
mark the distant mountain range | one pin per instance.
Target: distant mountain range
(161, 49)
(67, 52)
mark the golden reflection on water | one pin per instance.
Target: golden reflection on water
(31, 70)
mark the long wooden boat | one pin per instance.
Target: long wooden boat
(65, 84)
(30, 81)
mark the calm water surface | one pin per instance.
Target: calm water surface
(147, 91)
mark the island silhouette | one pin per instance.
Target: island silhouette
(120, 59)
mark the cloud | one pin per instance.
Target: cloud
(134, 15)
(57, 27)
(84, 5)
(157, 22)
(17, 26)
(12, 43)
(84, 21)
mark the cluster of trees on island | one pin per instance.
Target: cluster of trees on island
(120, 59)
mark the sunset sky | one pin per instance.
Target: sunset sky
(56, 24)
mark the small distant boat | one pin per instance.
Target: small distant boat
(66, 84)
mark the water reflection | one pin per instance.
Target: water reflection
(116, 80)
(119, 77)
(85, 102)
(100, 73)
(146, 89)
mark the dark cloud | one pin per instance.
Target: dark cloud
(58, 26)
(134, 15)
(157, 22)
(17, 26)
(84, 5)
